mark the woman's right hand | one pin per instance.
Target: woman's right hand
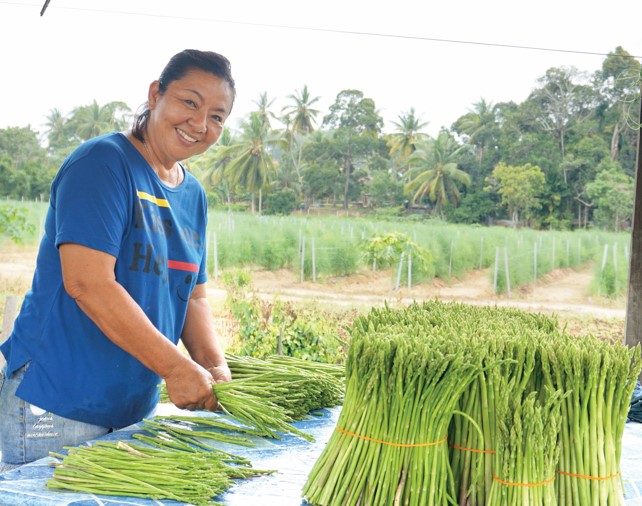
(189, 386)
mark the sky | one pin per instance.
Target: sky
(439, 58)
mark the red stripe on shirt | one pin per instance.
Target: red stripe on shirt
(182, 266)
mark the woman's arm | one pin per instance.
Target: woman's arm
(199, 336)
(88, 277)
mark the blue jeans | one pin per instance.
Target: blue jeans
(28, 433)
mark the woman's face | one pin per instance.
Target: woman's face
(189, 117)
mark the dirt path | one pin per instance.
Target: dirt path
(562, 292)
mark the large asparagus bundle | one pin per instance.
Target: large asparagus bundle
(403, 382)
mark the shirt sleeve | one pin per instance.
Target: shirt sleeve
(91, 202)
(202, 273)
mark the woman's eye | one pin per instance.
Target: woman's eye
(190, 103)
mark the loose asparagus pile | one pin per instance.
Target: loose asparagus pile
(127, 469)
(177, 463)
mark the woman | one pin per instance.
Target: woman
(120, 277)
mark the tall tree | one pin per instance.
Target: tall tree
(612, 193)
(92, 120)
(25, 170)
(618, 81)
(403, 142)
(300, 119)
(355, 125)
(300, 113)
(264, 112)
(479, 126)
(56, 125)
(439, 177)
(564, 101)
(251, 164)
(519, 188)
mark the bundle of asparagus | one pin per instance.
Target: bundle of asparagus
(511, 340)
(599, 377)
(403, 382)
(526, 452)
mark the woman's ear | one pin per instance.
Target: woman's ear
(153, 94)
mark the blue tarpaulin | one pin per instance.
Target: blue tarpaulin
(293, 457)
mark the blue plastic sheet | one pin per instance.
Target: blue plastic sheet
(293, 457)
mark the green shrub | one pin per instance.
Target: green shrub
(281, 202)
(268, 328)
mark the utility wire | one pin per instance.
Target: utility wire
(330, 30)
(44, 8)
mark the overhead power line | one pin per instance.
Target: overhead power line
(329, 30)
(44, 7)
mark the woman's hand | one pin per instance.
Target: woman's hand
(189, 386)
(221, 373)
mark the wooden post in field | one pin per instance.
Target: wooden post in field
(10, 313)
(633, 330)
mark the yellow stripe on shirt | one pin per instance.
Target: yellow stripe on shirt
(151, 198)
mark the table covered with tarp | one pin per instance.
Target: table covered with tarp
(291, 456)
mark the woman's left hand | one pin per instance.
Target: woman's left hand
(221, 373)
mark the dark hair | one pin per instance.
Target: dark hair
(177, 67)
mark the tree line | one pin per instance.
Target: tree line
(563, 158)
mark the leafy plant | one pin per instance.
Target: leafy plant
(14, 223)
(268, 328)
(385, 250)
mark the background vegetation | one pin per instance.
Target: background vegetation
(330, 193)
(562, 159)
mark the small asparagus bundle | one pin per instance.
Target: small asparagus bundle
(295, 386)
(526, 452)
(118, 468)
(242, 366)
(171, 441)
(268, 402)
(323, 384)
(600, 378)
(403, 382)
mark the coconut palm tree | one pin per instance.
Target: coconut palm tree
(56, 135)
(301, 116)
(439, 178)
(251, 164)
(403, 142)
(300, 120)
(92, 120)
(264, 104)
(479, 125)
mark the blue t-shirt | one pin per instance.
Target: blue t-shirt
(107, 197)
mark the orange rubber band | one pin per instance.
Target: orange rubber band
(401, 445)
(513, 484)
(474, 450)
(584, 476)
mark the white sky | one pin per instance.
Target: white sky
(107, 50)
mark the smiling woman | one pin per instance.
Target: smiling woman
(120, 276)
